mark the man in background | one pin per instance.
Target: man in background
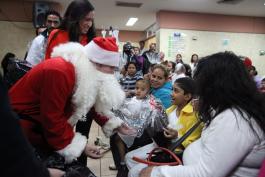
(37, 49)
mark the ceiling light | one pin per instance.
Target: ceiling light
(131, 21)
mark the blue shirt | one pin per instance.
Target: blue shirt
(163, 93)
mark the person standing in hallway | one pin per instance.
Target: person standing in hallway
(37, 49)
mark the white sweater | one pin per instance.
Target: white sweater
(227, 147)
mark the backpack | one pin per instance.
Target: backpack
(15, 70)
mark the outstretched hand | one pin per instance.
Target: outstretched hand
(93, 151)
(126, 130)
(55, 172)
(170, 133)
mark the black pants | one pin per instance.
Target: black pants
(138, 142)
(83, 127)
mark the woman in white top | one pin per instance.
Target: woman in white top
(233, 142)
(193, 62)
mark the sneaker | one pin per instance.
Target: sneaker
(112, 167)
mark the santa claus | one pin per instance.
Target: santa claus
(55, 94)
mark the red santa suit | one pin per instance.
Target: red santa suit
(55, 95)
(57, 37)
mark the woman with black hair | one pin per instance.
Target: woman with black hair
(194, 61)
(77, 26)
(233, 110)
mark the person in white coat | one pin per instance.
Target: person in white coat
(36, 52)
(233, 142)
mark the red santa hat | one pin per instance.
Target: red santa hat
(247, 62)
(103, 51)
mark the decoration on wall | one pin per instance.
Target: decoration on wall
(176, 43)
(194, 38)
(262, 53)
(225, 42)
(111, 32)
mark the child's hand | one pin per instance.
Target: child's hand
(126, 130)
(170, 133)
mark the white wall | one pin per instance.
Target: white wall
(246, 44)
(15, 37)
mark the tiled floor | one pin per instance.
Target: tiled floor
(100, 167)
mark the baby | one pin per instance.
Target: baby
(137, 112)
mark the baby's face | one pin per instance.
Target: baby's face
(141, 90)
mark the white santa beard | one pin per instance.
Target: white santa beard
(92, 86)
(110, 94)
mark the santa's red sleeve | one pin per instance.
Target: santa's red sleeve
(55, 98)
(108, 124)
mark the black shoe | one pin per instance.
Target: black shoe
(122, 171)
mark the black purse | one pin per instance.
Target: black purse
(167, 156)
(74, 169)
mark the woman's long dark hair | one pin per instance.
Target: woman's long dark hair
(223, 82)
(76, 11)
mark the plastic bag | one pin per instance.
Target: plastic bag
(142, 114)
(15, 70)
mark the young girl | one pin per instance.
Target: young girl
(194, 61)
(171, 68)
(161, 88)
(181, 117)
(139, 59)
(179, 58)
(129, 81)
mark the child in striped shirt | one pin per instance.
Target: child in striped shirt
(129, 81)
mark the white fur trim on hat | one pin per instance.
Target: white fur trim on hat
(110, 125)
(74, 150)
(102, 56)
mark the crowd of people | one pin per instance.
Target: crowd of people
(141, 100)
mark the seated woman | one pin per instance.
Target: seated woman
(181, 117)
(161, 88)
(233, 142)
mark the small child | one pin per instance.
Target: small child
(129, 81)
(135, 112)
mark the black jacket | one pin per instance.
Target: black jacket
(17, 156)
